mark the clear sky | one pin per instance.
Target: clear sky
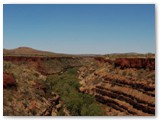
(80, 29)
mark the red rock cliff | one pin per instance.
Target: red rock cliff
(135, 63)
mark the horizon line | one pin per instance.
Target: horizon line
(80, 53)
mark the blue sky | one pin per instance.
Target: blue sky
(80, 29)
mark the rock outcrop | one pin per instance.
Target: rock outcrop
(8, 80)
(122, 94)
(131, 97)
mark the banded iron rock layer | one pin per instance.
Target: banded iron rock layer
(125, 86)
(123, 94)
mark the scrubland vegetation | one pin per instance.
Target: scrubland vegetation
(67, 86)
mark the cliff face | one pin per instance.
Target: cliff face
(123, 63)
(34, 59)
(119, 62)
(45, 65)
(135, 63)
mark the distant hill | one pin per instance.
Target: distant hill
(28, 51)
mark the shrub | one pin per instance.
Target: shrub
(124, 73)
(92, 110)
(130, 74)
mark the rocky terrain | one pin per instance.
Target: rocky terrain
(44, 85)
(126, 87)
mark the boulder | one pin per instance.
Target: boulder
(8, 80)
